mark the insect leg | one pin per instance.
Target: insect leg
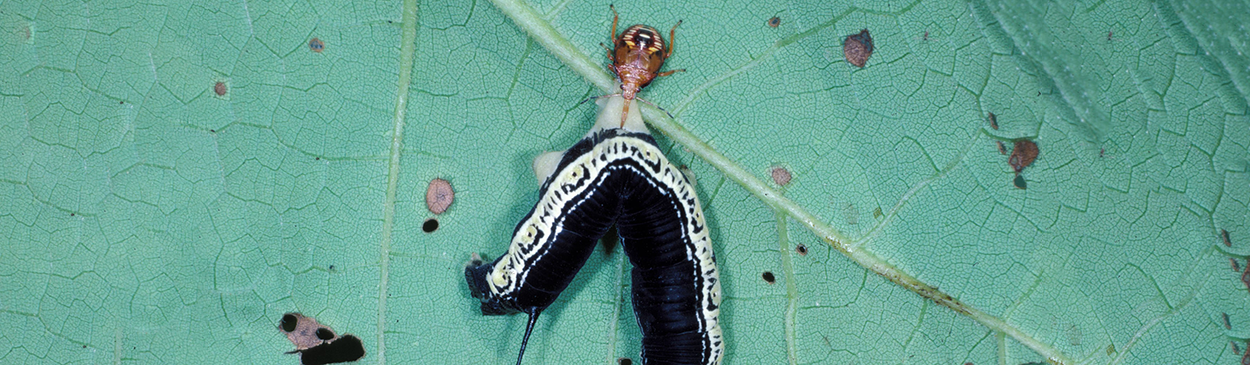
(615, 17)
(671, 39)
(670, 72)
(611, 57)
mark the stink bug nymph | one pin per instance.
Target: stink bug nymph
(637, 56)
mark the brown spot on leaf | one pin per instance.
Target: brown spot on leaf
(439, 196)
(801, 249)
(220, 88)
(316, 45)
(1245, 276)
(774, 22)
(857, 48)
(993, 121)
(1022, 155)
(303, 331)
(317, 343)
(781, 176)
(769, 277)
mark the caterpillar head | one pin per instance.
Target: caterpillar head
(476, 274)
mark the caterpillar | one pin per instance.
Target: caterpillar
(615, 176)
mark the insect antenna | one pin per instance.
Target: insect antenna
(597, 98)
(528, 329)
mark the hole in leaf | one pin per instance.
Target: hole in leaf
(344, 349)
(288, 322)
(1020, 183)
(325, 334)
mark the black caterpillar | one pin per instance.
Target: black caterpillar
(616, 177)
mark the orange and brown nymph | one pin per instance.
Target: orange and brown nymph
(638, 54)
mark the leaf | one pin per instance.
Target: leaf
(148, 220)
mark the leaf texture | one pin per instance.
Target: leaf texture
(146, 218)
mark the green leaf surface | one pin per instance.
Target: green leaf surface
(146, 219)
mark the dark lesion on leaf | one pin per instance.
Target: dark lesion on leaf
(1023, 154)
(316, 343)
(1245, 275)
(316, 45)
(781, 176)
(857, 48)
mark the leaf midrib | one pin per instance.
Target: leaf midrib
(407, 59)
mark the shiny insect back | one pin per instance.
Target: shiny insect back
(638, 54)
(616, 176)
